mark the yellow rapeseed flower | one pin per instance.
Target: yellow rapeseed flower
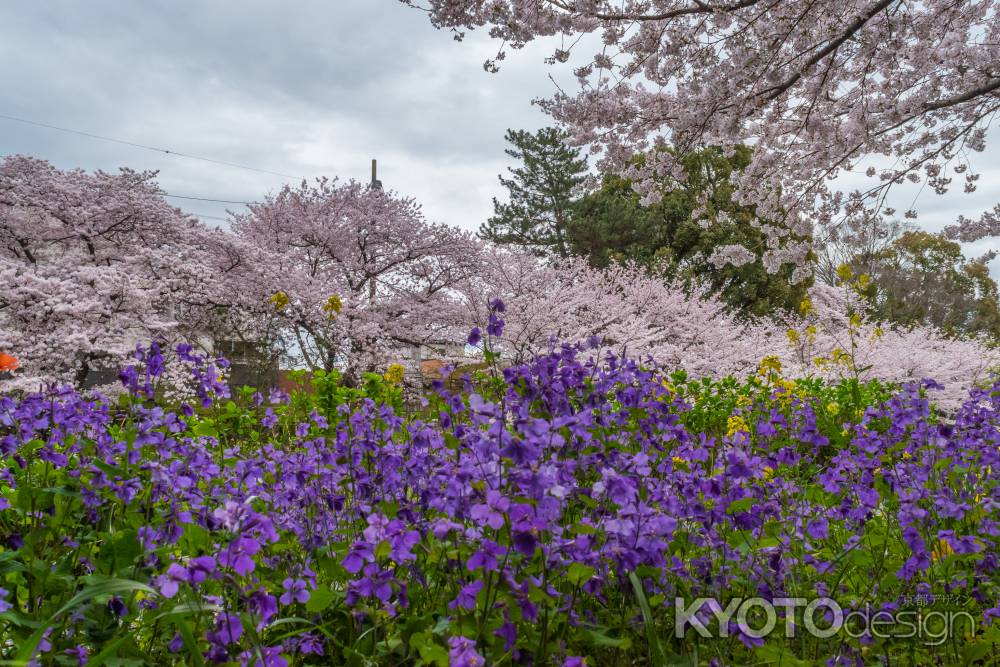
(805, 307)
(844, 272)
(770, 363)
(793, 336)
(832, 407)
(394, 374)
(333, 306)
(941, 550)
(280, 300)
(678, 460)
(735, 424)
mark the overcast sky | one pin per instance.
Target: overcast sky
(318, 90)
(305, 88)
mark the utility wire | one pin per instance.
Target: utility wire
(218, 201)
(210, 217)
(148, 148)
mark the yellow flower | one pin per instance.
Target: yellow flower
(855, 321)
(394, 374)
(678, 460)
(280, 300)
(770, 363)
(805, 307)
(832, 407)
(333, 306)
(844, 272)
(793, 336)
(735, 424)
(671, 390)
(941, 550)
(768, 472)
(877, 333)
(907, 455)
(864, 280)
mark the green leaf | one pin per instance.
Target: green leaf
(741, 505)
(656, 655)
(579, 573)
(108, 652)
(600, 639)
(193, 652)
(105, 587)
(188, 608)
(206, 428)
(319, 599)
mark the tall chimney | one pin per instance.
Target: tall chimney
(375, 184)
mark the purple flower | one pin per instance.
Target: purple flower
(169, 583)
(228, 630)
(495, 326)
(497, 306)
(475, 336)
(295, 591)
(238, 555)
(492, 512)
(80, 652)
(270, 656)
(117, 606)
(263, 605)
(310, 644)
(4, 605)
(467, 596)
(360, 553)
(818, 528)
(462, 653)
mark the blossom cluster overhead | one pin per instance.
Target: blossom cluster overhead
(903, 91)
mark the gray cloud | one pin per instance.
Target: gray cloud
(316, 87)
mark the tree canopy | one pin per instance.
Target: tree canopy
(898, 90)
(924, 278)
(540, 193)
(672, 237)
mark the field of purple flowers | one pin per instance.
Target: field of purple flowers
(562, 512)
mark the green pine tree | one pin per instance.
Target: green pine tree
(540, 192)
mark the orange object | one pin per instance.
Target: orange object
(8, 363)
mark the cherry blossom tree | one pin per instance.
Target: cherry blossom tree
(625, 310)
(92, 264)
(622, 308)
(362, 276)
(903, 90)
(835, 339)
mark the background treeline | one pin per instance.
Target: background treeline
(914, 276)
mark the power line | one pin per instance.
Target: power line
(210, 217)
(148, 148)
(218, 201)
